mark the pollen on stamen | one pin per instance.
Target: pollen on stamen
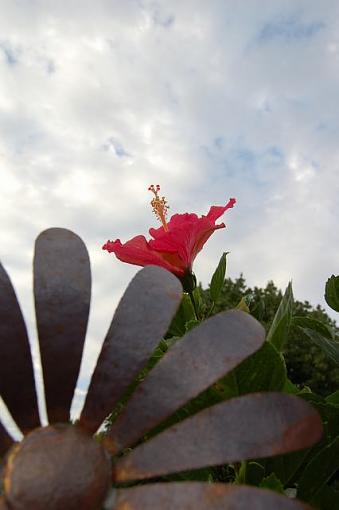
(159, 205)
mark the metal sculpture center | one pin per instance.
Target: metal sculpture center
(55, 467)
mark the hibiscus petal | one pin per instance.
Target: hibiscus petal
(138, 251)
(216, 210)
(186, 240)
(181, 219)
(203, 232)
(176, 221)
(187, 233)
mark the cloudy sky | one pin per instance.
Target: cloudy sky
(209, 99)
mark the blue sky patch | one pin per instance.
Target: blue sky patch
(245, 155)
(117, 147)
(50, 67)
(219, 142)
(289, 29)
(10, 54)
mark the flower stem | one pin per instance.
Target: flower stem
(194, 305)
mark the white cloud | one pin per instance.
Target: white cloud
(210, 99)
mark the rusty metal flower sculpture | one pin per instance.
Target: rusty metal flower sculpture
(62, 467)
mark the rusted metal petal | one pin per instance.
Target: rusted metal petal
(62, 287)
(195, 362)
(3, 504)
(202, 496)
(252, 426)
(6, 440)
(140, 321)
(17, 387)
(57, 467)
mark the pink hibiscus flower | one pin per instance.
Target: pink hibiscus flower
(176, 243)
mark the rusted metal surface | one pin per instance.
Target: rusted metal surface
(202, 496)
(196, 361)
(253, 426)
(17, 387)
(5, 440)
(57, 467)
(140, 321)
(3, 504)
(62, 288)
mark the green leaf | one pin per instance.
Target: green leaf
(311, 323)
(332, 292)
(333, 398)
(183, 315)
(198, 300)
(272, 482)
(265, 370)
(327, 498)
(254, 473)
(330, 417)
(286, 466)
(329, 347)
(191, 324)
(226, 388)
(320, 469)
(278, 332)
(242, 305)
(241, 475)
(289, 387)
(218, 278)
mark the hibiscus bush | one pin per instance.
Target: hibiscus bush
(306, 363)
(311, 475)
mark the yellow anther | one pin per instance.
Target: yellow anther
(159, 205)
